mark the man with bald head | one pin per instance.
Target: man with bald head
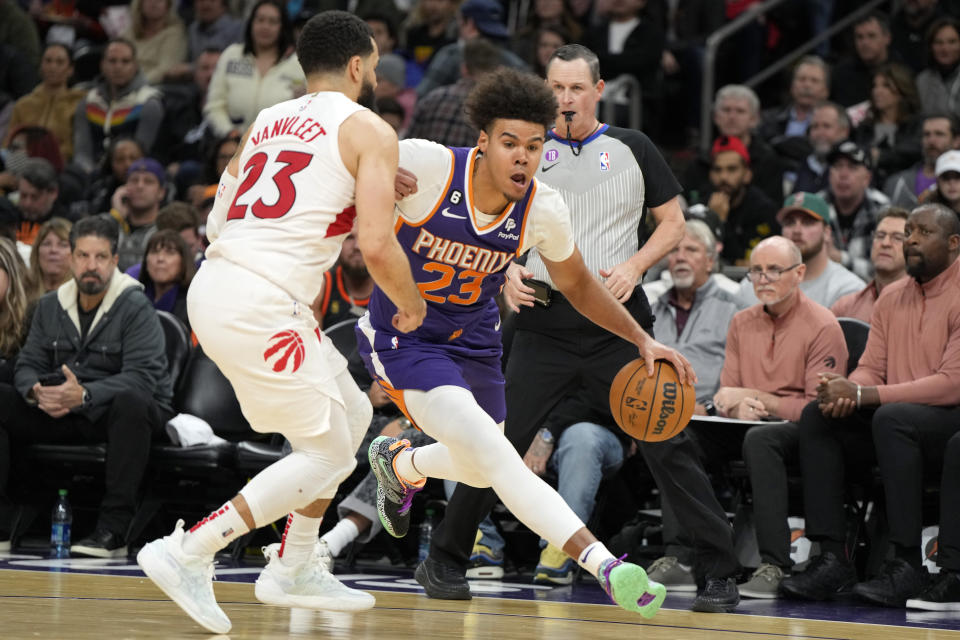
(774, 353)
(901, 402)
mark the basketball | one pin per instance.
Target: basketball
(651, 409)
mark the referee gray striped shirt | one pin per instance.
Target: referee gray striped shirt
(616, 174)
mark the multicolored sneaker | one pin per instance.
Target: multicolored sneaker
(394, 494)
(554, 567)
(485, 563)
(628, 586)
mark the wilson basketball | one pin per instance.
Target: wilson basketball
(651, 408)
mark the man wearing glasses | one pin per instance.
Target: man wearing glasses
(898, 409)
(805, 220)
(775, 352)
(886, 255)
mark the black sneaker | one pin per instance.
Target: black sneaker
(719, 595)
(896, 583)
(942, 594)
(442, 581)
(101, 544)
(826, 575)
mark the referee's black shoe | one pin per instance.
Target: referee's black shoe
(442, 581)
(719, 595)
(826, 576)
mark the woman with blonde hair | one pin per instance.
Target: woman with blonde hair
(50, 257)
(160, 37)
(13, 307)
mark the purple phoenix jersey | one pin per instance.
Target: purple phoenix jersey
(459, 268)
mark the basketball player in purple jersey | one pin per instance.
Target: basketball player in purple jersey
(476, 210)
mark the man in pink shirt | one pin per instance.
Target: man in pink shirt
(886, 254)
(775, 351)
(900, 402)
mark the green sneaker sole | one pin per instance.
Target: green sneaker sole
(632, 590)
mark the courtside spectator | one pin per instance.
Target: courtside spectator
(891, 129)
(854, 206)
(112, 173)
(138, 202)
(52, 103)
(432, 26)
(886, 254)
(853, 76)
(748, 215)
(166, 272)
(254, 75)
(159, 36)
(806, 221)
(115, 386)
(910, 27)
(939, 135)
(809, 87)
(212, 28)
(829, 126)
(121, 104)
(547, 14)
(939, 84)
(897, 408)
(14, 281)
(49, 265)
(38, 190)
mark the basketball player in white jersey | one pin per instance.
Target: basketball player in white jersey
(308, 167)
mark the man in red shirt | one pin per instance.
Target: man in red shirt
(903, 400)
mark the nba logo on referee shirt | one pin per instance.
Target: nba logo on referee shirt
(604, 161)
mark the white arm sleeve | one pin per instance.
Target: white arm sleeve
(431, 163)
(548, 226)
(218, 214)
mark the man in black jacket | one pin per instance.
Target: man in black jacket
(93, 369)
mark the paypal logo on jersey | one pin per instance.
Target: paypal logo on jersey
(508, 227)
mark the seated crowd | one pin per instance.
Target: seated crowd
(841, 200)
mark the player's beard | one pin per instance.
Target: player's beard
(367, 98)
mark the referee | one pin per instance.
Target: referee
(607, 176)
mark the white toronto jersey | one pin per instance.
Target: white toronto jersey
(294, 203)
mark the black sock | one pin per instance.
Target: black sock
(835, 547)
(910, 555)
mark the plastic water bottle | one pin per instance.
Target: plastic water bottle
(60, 521)
(426, 531)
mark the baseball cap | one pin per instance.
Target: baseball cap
(730, 143)
(851, 151)
(487, 15)
(809, 203)
(948, 161)
(707, 216)
(150, 166)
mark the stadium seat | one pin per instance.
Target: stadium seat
(855, 332)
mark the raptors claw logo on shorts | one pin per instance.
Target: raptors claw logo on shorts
(291, 344)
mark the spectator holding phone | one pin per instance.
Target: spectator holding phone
(92, 369)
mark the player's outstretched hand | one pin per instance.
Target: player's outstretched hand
(652, 351)
(405, 184)
(407, 321)
(515, 293)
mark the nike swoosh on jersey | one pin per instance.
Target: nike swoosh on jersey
(446, 214)
(545, 169)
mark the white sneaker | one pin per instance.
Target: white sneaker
(309, 585)
(186, 579)
(324, 557)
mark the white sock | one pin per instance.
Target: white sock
(591, 557)
(342, 534)
(299, 537)
(214, 532)
(404, 463)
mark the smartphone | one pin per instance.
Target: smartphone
(541, 291)
(52, 379)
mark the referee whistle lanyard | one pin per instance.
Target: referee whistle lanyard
(578, 147)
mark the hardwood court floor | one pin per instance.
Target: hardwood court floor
(48, 604)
